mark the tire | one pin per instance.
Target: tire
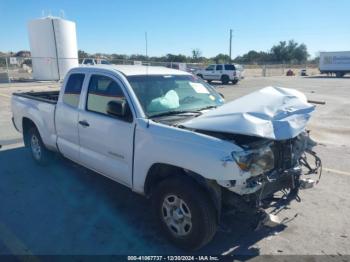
(192, 223)
(209, 81)
(339, 74)
(37, 148)
(200, 75)
(234, 81)
(225, 79)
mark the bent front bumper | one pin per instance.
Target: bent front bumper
(288, 182)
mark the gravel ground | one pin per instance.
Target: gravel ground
(66, 209)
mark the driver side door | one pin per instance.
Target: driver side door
(209, 72)
(106, 141)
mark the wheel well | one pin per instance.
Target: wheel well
(27, 124)
(225, 76)
(158, 172)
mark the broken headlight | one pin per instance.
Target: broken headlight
(256, 161)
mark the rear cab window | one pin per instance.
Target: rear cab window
(72, 90)
(218, 67)
(230, 67)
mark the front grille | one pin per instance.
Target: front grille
(283, 154)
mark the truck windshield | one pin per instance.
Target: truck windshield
(160, 94)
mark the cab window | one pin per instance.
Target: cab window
(230, 67)
(210, 68)
(73, 89)
(219, 67)
(101, 91)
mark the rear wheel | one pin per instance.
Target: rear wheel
(200, 75)
(185, 213)
(209, 81)
(235, 81)
(339, 74)
(225, 79)
(37, 148)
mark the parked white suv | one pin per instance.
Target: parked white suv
(222, 72)
(93, 61)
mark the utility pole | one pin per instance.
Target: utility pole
(230, 44)
(146, 45)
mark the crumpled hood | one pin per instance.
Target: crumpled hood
(272, 112)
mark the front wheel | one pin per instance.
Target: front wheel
(184, 212)
(37, 148)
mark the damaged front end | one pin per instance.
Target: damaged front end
(289, 164)
(279, 169)
(275, 151)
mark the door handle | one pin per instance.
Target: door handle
(84, 123)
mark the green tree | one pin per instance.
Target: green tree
(221, 58)
(176, 58)
(196, 55)
(290, 52)
(82, 54)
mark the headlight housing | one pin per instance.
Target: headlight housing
(256, 161)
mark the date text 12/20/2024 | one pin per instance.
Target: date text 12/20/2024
(174, 258)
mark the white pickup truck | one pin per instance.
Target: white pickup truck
(221, 72)
(168, 135)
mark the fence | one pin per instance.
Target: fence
(11, 71)
(20, 68)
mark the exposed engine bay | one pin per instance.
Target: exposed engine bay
(279, 168)
(270, 160)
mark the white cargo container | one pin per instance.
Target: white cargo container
(53, 46)
(335, 62)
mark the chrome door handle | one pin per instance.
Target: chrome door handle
(84, 123)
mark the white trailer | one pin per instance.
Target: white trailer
(335, 62)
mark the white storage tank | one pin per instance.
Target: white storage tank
(53, 47)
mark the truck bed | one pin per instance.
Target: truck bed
(46, 96)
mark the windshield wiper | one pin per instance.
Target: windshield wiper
(175, 112)
(207, 107)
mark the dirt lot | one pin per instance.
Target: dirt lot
(66, 209)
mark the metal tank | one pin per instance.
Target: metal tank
(53, 46)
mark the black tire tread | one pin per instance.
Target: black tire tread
(204, 203)
(225, 79)
(46, 154)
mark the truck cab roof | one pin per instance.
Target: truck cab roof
(132, 70)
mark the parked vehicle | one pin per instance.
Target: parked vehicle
(95, 61)
(337, 63)
(290, 72)
(168, 135)
(303, 72)
(222, 72)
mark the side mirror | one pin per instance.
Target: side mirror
(119, 109)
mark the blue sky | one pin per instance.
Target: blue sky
(178, 26)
